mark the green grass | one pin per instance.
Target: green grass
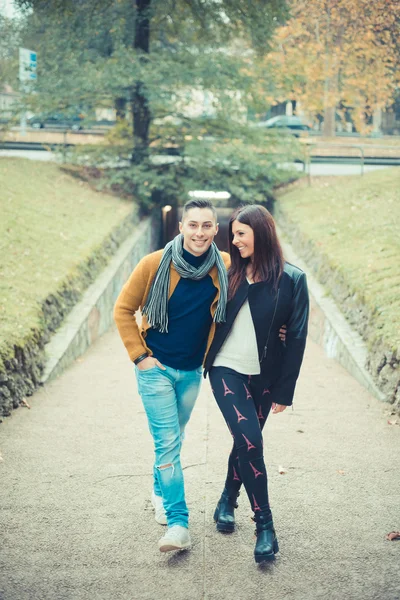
(50, 223)
(355, 223)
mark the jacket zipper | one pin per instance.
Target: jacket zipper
(264, 354)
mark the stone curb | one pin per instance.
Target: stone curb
(93, 315)
(329, 328)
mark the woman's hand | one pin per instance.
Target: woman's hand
(278, 408)
(282, 334)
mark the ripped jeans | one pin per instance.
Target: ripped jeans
(168, 398)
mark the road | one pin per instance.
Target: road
(336, 168)
(31, 154)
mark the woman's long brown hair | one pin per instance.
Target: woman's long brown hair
(268, 258)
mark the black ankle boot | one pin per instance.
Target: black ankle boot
(267, 543)
(224, 514)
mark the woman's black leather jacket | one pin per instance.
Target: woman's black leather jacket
(279, 362)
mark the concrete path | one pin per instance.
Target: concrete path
(75, 483)
(31, 154)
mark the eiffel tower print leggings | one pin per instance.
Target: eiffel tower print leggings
(244, 404)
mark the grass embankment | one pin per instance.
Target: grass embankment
(348, 230)
(51, 224)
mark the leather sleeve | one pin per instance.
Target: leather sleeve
(282, 391)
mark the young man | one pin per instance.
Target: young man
(182, 294)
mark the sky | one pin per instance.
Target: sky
(7, 8)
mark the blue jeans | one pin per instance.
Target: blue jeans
(168, 398)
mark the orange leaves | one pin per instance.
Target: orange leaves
(344, 49)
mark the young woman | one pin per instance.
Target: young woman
(251, 370)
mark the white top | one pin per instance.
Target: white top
(239, 351)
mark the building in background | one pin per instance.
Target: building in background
(8, 102)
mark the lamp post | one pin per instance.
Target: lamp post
(164, 211)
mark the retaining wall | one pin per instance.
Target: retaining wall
(43, 356)
(344, 333)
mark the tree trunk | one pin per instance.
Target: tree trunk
(377, 121)
(329, 103)
(329, 121)
(330, 98)
(120, 108)
(139, 101)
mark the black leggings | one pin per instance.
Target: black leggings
(245, 406)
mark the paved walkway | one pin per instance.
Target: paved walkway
(76, 477)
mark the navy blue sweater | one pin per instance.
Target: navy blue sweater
(189, 322)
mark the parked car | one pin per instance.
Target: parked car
(56, 121)
(291, 124)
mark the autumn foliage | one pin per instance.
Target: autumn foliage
(336, 56)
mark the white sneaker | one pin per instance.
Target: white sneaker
(176, 538)
(158, 506)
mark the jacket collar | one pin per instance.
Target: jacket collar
(240, 295)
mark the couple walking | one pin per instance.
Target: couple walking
(201, 307)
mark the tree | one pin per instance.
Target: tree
(156, 46)
(9, 44)
(154, 56)
(338, 55)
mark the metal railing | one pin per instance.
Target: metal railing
(309, 147)
(361, 149)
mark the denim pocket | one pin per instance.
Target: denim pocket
(152, 381)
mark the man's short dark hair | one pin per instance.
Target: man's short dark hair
(199, 203)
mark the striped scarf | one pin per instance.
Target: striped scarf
(156, 307)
